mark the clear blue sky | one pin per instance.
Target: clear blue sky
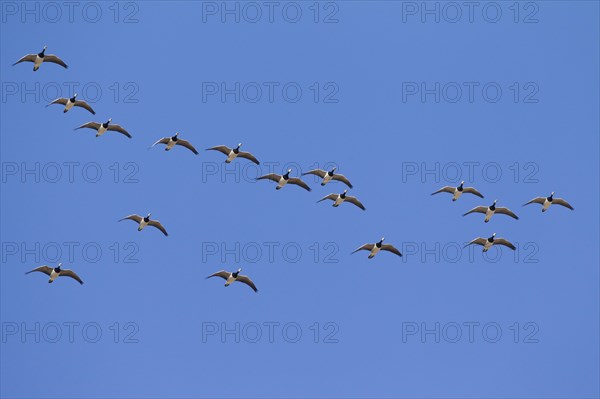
(164, 65)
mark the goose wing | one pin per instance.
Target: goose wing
(343, 179)
(246, 280)
(506, 243)
(187, 145)
(221, 148)
(89, 125)
(365, 247)
(355, 201)
(62, 101)
(164, 140)
(44, 269)
(562, 202)
(472, 190)
(479, 209)
(72, 274)
(298, 182)
(83, 104)
(222, 273)
(506, 211)
(270, 176)
(156, 223)
(390, 248)
(55, 59)
(27, 58)
(537, 200)
(118, 128)
(331, 196)
(479, 241)
(318, 172)
(447, 189)
(248, 156)
(135, 218)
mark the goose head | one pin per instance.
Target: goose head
(462, 182)
(176, 134)
(239, 270)
(58, 267)
(239, 145)
(382, 238)
(493, 235)
(148, 216)
(552, 194)
(43, 50)
(333, 169)
(75, 95)
(109, 120)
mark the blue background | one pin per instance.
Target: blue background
(372, 134)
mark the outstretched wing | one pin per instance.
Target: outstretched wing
(89, 125)
(537, 200)
(27, 58)
(390, 248)
(343, 179)
(331, 196)
(83, 104)
(156, 223)
(221, 148)
(164, 140)
(446, 189)
(562, 202)
(222, 273)
(318, 172)
(471, 190)
(55, 59)
(270, 176)
(478, 209)
(44, 269)
(187, 145)
(506, 211)
(135, 218)
(118, 128)
(365, 247)
(298, 182)
(248, 156)
(62, 101)
(72, 274)
(506, 243)
(479, 241)
(355, 201)
(246, 280)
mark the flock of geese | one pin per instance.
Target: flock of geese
(281, 180)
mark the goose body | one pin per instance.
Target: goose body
(172, 141)
(144, 221)
(491, 210)
(339, 199)
(328, 176)
(284, 179)
(230, 278)
(233, 153)
(378, 246)
(56, 272)
(72, 102)
(489, 242)
(41, 57)
(458, 191)
(547, 201)
(102, 128)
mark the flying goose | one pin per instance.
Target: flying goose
(487, 243)
(102, 128)
(72, 102)
(458, 191)
(173, 141)
(283, 180)
(547, 201)
(328, 176)
(378, 246)
(56, 272)
(489, 211)
(338, 199)
(233, 153)
(145, 221)
(235, 276)
(37, 59)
